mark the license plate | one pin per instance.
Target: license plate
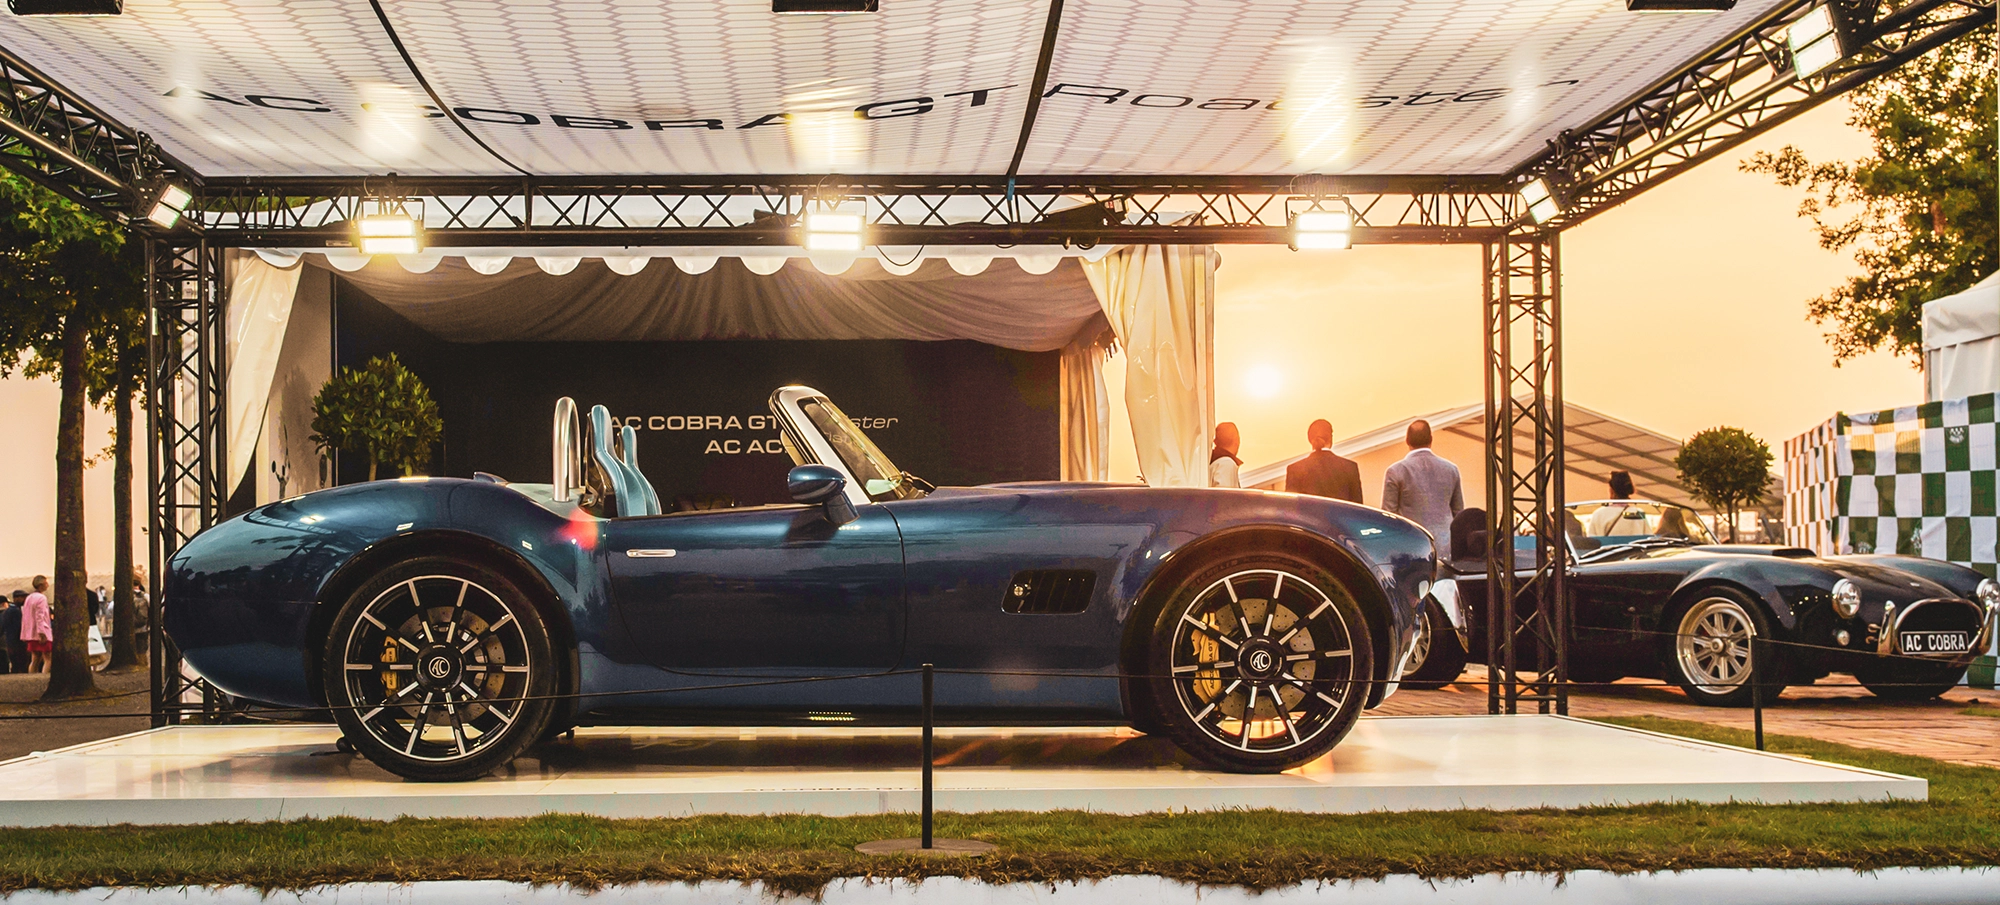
(1936, 642)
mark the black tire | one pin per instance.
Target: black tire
(1439, 658)
(1907, 681)
(1232, 641)
(1710, 654)
(465, 639)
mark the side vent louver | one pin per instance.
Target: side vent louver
(1049, 591)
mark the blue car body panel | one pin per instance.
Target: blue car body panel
(771, 591)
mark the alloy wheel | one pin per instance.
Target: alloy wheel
(1262, 661)
(1712, 646)
(437, 668)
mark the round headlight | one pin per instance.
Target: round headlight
(1989, 593)
(1847, 598)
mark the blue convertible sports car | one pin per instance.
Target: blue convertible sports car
(449, 624)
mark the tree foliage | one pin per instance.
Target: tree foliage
(1725, 467)
(1919, 213)
(381, 412)
(66, 276)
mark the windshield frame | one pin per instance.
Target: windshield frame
(807, 441)
(1698, 530)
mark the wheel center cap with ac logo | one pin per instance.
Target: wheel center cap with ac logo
(1259, 660)
(439, 666)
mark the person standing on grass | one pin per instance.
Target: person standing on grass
(10, 629)
(10, 632)
(37, 629)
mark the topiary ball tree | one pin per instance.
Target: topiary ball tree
(380, 411)
(1727, 468)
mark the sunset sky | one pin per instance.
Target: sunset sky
(1684, 310)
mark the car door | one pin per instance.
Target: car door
(760, 589)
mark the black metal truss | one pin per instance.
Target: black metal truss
(1743, 88)
(1527, 612)
(185, 381)
(910, 210)
(59, 140)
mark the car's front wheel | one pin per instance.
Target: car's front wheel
(440, 669)
(1259, 663)
(1711, 654)
(1438, 658)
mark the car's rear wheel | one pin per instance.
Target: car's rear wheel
(1438, 658)
(1907, 681)
(1711, 653)
(440, 669)
(1259, 663)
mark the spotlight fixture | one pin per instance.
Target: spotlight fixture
(389, 233)
(1539, 201)
(829, 231)
(1322, 229)
(66, 7)
(823, 7)
(1679, 6)
(1815, 41)
(165, 204)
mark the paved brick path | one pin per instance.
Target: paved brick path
(1847, 715)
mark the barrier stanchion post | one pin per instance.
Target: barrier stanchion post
(1756, 692)
(927, 753)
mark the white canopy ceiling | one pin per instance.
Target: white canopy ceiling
(599, 87)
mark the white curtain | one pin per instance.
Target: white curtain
(260, 308)
(1086, 411)
(1160, 300)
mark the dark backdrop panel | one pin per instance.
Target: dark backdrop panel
(956, 413)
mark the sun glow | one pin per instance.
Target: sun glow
(1264, 381)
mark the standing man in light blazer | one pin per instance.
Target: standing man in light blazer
(1423, 487)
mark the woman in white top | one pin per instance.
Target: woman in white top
(1222, 460)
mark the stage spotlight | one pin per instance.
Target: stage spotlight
(827, 231)
(823, 7)
(387, 234)
(1679, 6)
(1541, 204)
(165, 204)
(66, 7)
(1317, 229)
(1815, 41)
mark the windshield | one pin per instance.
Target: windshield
(879, 477)
(1626, 521)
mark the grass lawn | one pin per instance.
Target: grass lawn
(1250, 848)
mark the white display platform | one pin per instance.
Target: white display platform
(199, 774)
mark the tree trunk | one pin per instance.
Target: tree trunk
(69, 664)
(124, 652)
(371, 469)
(1732, 524)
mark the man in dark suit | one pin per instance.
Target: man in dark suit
(1321, 473)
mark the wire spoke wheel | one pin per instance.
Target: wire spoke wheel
(1263, 661)
(1712, 646)
(439, 670)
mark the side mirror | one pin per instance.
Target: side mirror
(821, 485)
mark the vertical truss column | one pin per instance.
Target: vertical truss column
(1527, 643)
(187, 349)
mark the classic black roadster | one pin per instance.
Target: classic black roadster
(1652, 594)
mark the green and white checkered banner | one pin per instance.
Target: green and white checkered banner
(1917, 480)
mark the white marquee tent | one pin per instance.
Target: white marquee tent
(1962, 342)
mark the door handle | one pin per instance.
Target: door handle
(649, 554)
